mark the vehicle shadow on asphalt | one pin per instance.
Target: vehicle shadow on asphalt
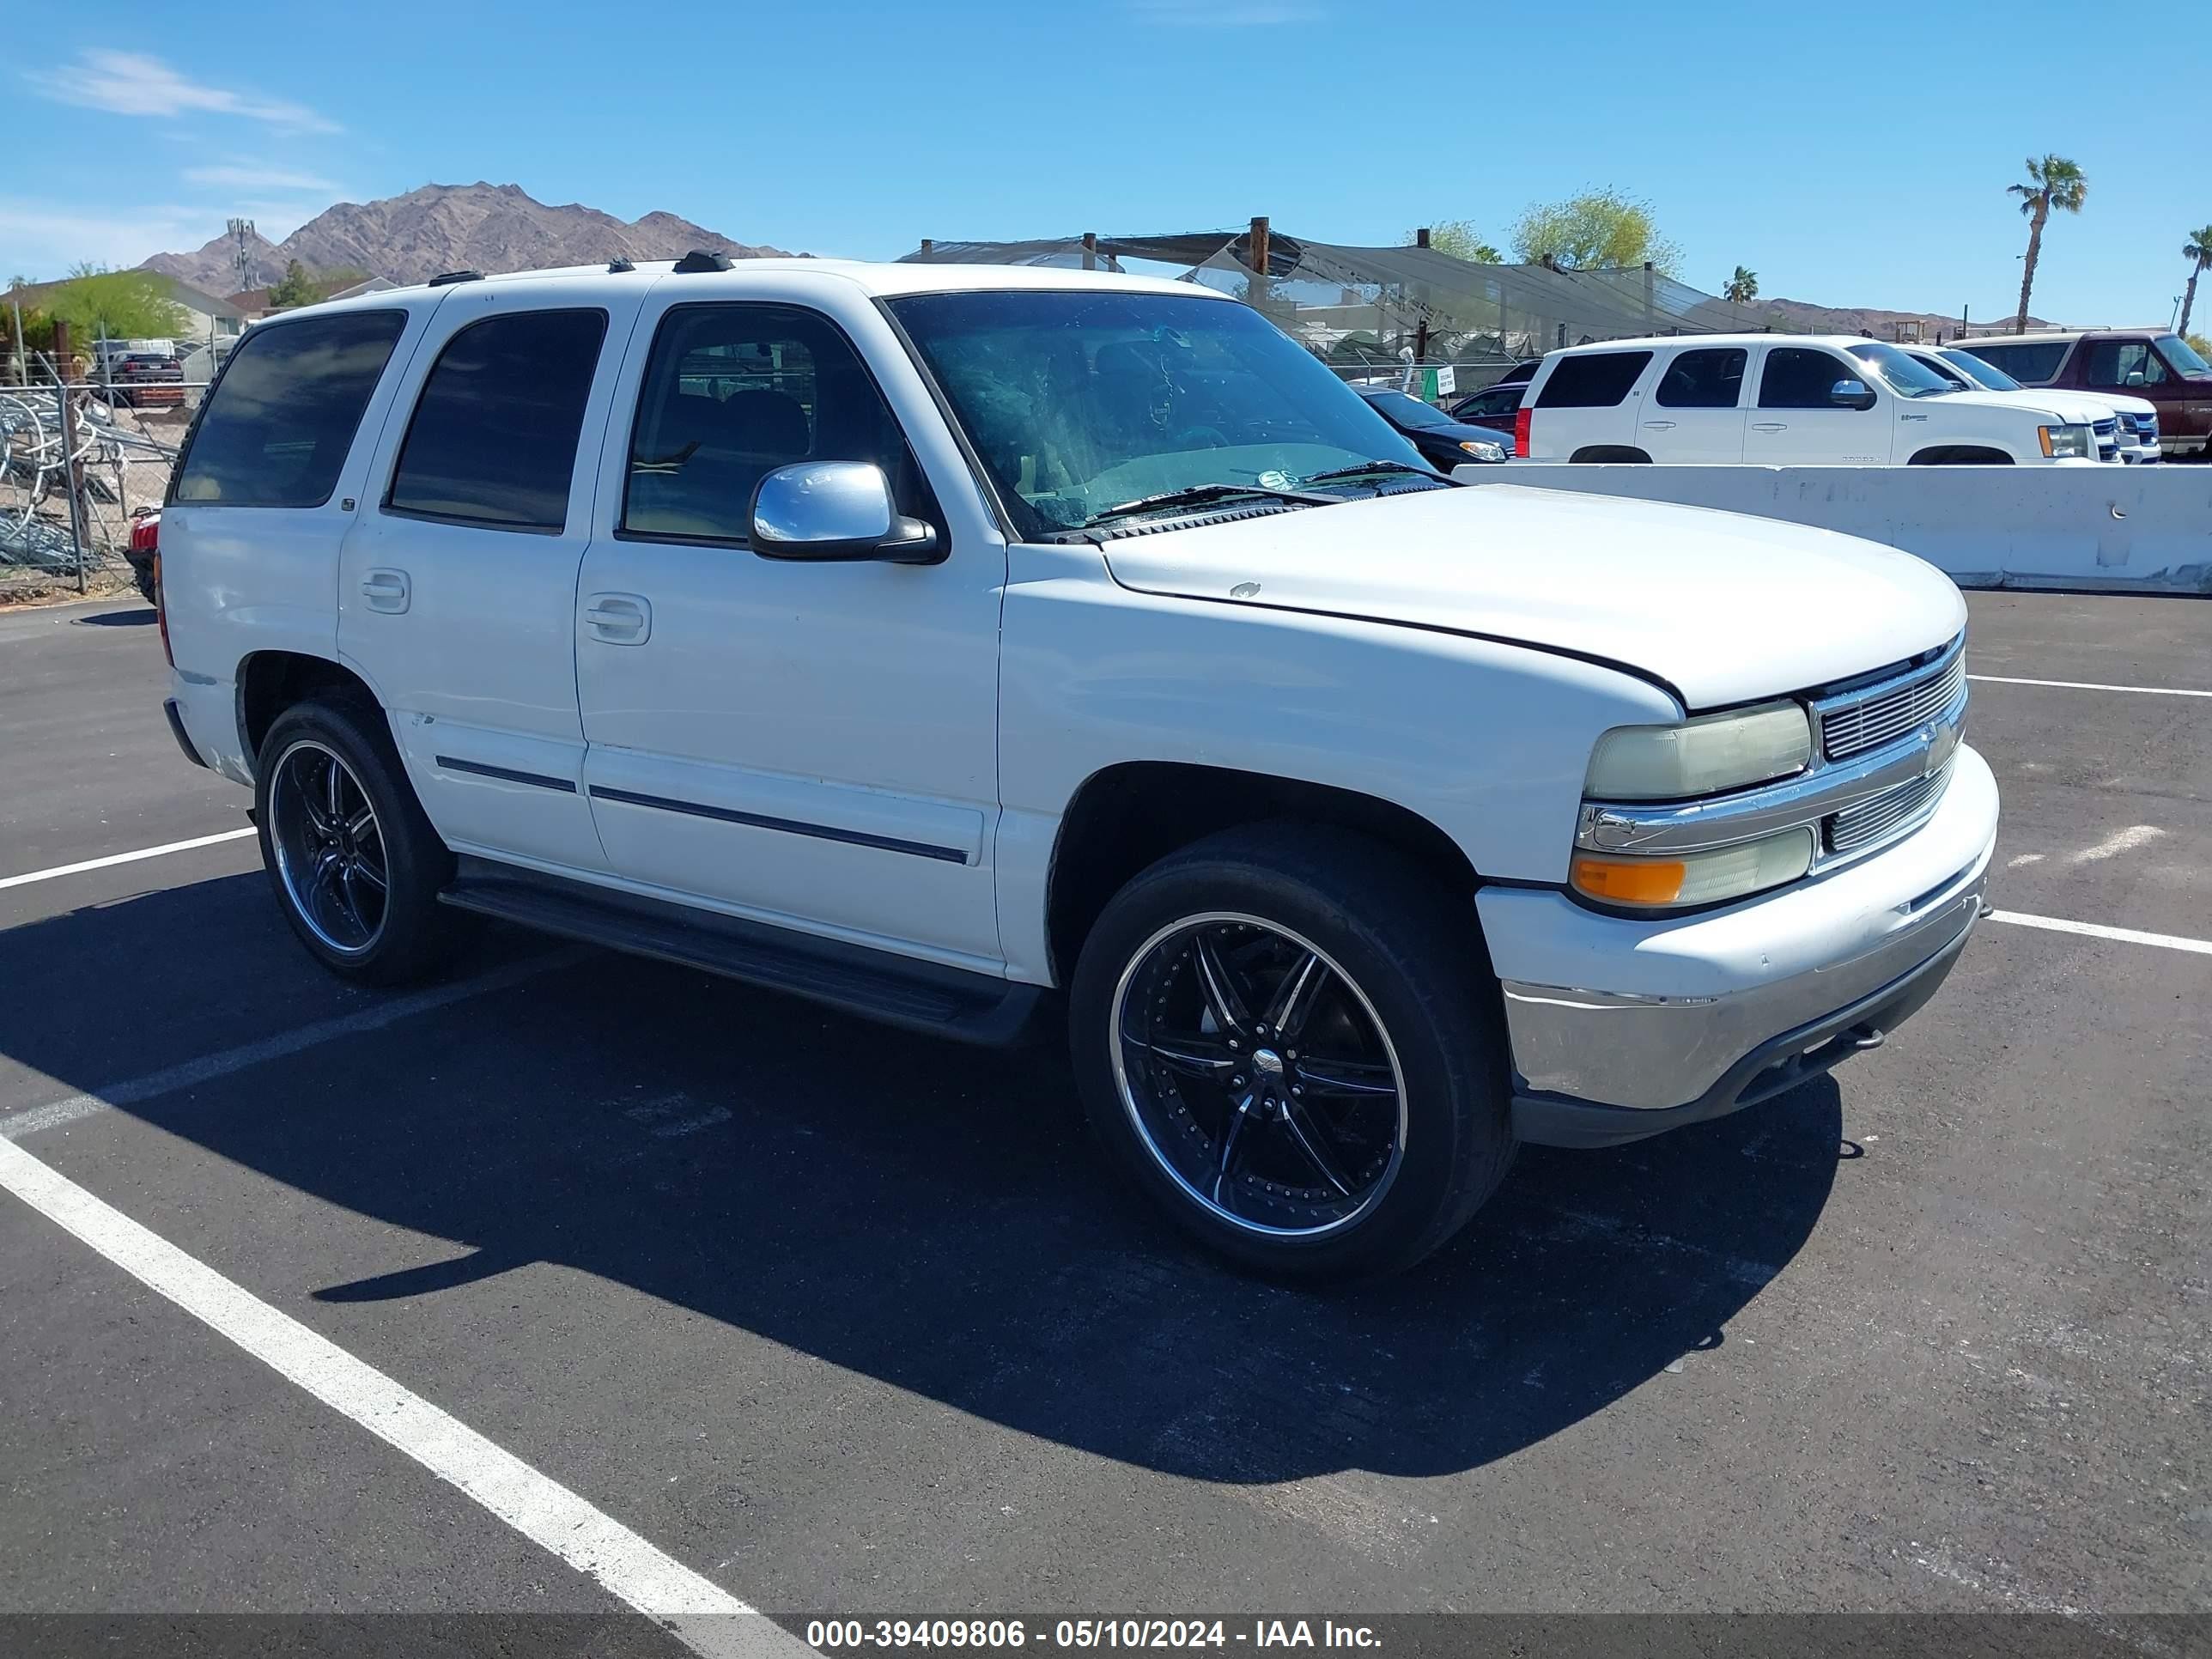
(930, 1215)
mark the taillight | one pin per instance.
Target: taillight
(1520, 430)
(146, 533)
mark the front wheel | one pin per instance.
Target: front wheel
(1292, 1038)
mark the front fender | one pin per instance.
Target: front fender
(1487, 741)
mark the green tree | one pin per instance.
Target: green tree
(1598, 229)
(124, 305)
(2052, 182)
(14, 283)
(1742, 287)
(297, 287)
(2197, 250)
(303, 287)
(1460, 239)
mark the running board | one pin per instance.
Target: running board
(922, 996)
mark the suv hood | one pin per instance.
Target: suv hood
(1720, 606)
(2062, 408)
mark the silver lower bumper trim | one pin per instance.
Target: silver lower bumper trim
(1662, 1054)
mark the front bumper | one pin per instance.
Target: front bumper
(1621, 1028)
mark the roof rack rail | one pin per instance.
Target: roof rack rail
(446, 276)
(697, 261)
(616, 267)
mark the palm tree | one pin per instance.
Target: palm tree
(1742, 287)
(2053, 182)
(2197, 250)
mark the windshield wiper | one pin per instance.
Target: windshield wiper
(1200, 495)
(1368, 468)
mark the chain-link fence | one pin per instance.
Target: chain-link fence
(81, 460)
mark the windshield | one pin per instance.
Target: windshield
(1988, 376)
(1907, 377)
(2183, 356)
(1405, 411)
(1078, 400)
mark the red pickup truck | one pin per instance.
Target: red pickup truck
(2135, 362)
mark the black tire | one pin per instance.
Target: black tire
(1413, 957)
(411, 929)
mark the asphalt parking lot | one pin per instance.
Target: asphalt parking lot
(847, 1324)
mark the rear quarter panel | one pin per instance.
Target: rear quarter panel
(239, 579)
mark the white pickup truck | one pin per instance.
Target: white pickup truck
(949, 645)
(1790, 400)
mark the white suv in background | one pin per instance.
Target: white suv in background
(2137, 416)
(1789, 400)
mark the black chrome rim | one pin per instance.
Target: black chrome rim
(1258, 1074)
(329, 848)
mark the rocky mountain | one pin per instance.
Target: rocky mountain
(479, 227)
(1802, 317)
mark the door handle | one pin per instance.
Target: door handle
(388, 591)
(1770, 426)
(1660, 426)
(618, 618)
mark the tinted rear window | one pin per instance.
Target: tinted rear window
(2035, 360)
(276, 428)
(1708, 379)
(1597, 381)
(494, 437)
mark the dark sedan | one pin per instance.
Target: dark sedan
(1493, 406)
(1444, 442)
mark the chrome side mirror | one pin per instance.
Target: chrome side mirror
(1851, 394)
(834, 510)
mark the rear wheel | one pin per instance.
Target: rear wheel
(356, 866)
(1290, 1037)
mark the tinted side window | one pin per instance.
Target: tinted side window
(1712, 378)
(733, 392)
(2117, 362)
(276, 428)
(1795, 378)
(494, 437)
(2037, 361)
(1597, 381)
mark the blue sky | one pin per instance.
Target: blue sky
(1849, 157)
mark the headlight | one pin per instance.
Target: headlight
(2068, 443)
(1483, 452)
(1726, 873)
(1701, 757)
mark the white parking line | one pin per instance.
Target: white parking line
(125, 858)
(2201, 947)
(192, 1072)
(2092, 685)
(697, 1611)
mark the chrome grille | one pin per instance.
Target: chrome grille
(1854, 725)
(2105, 428)
(1885, 815)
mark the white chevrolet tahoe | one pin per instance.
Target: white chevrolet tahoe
(1788, 400)
(945, 645)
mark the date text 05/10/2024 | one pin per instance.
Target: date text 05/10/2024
(990, 1635)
